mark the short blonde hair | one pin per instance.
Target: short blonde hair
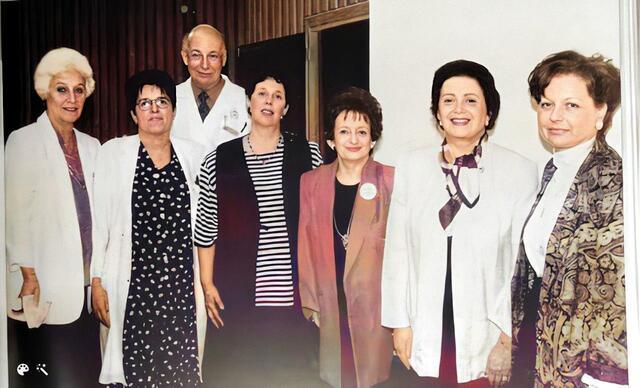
(186, 40)
(57, 61)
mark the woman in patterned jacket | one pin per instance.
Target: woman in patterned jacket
(568, 288)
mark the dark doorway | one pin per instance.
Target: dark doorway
(282, 57)
(344, 62)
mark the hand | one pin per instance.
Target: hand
(499, 362)
(100, 302)
(30, 284)
(214, 304)
(315, 318)
(402, 341)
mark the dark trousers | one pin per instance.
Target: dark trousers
(262, 347)
(524, 360)
(68, 354)
(401, 377)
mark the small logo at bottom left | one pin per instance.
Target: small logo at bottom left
(22, 369)
(40, 368)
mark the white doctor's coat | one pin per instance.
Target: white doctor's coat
(112, 246)
(227, 119)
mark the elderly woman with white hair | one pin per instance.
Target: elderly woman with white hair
(48, 171)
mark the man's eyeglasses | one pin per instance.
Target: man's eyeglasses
(161, 102)
(196, 57)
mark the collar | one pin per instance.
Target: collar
(213, 92)
(574, 156)
(471, 161)
(44, 121)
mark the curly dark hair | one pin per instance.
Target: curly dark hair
(354, 100)
(601, 77)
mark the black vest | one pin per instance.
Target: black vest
(239, 221)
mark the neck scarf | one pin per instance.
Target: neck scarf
(465, 164)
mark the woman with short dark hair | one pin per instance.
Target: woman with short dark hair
(146, 288)
(247, 225)
(449, 251)
(569, 319)
(343, 215)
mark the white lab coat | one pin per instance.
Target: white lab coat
(113, 185)
(484, 249)
(42, 228)
(229, 111)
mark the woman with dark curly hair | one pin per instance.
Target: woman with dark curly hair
(568, 288)
(343, 216)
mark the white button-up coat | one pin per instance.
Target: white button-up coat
(42, 228)
(484, 248)
(227, 119)
(112, 246)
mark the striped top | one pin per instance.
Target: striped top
(274, 275)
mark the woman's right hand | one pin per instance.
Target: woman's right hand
(100, 301)
(402, 340)
(213, 303)
(30, 284)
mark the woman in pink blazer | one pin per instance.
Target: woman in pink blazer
(343, 216)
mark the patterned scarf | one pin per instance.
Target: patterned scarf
(467, 163)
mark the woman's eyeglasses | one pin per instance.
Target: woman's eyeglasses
(161, 102)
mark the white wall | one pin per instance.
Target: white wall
(410, 39)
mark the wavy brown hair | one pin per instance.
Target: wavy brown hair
(601, 77)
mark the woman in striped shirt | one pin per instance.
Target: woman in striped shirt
(247, 224)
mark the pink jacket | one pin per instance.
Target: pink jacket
(372, 344)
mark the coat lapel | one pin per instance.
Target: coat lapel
(326, 184)
(364, 211)
(581, 192)
(58, 171)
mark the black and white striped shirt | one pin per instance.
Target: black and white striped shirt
(274, 275)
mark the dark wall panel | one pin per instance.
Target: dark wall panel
(269, 19)
(118, 37)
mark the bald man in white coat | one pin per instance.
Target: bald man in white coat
(210, 108)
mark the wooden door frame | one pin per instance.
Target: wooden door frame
(313, 26)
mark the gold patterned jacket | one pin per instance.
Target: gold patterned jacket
(581, 323)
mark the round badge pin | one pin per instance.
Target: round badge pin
(368, 191)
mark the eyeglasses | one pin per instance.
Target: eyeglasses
(161, 102)
(197, 57)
